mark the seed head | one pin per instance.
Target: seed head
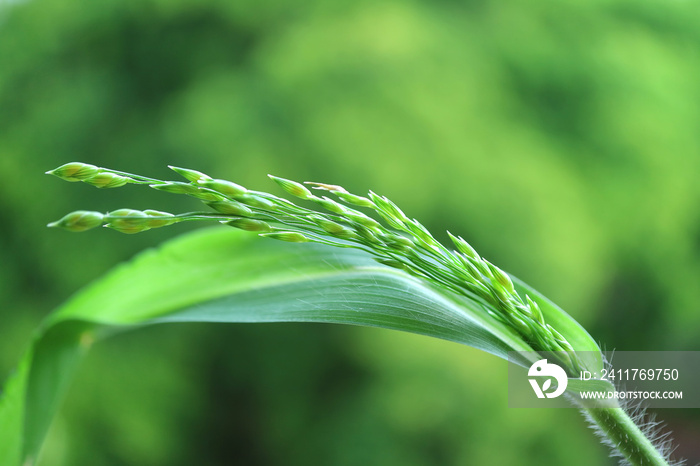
(248, 224)
(79, 220)
(288, 236)
(227, 188)
(407, 245)
(191, 175)
(292, 187)
(107, 180)
(74, 171)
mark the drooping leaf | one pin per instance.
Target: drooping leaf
(221, 275)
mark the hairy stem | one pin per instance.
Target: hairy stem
(626, 437)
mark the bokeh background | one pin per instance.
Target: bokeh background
(561, 138)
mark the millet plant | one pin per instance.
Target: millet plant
(390, 272)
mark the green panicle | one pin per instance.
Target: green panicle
(79, 220)
(107, 180)
(227, 188)
(190, 175)
(397, 241)
(248, 224)
(74, 171)
(288, 236)
(292, 187)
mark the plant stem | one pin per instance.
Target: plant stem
(626, 436)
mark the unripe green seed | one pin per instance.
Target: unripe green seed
(191, 175)
(463, 246)
(366, 234)
(127, 221)
(391, 220)
(257, 201)
(230, 208)
(328, 225)
(129, 230)
(184, 188)
(224, 187)
(535, 310)
(353, 199)
(248, 224)
(385, 205)
(363, 219)
(521, 325)
(326, 187)
(107, 180)
(559, 338)
(398, 242)
(392, 263)
(330, 205)
(421, 232)
(74, 171)
(174, 187)
(288, 236)
(501, 277)
(79, 220)
(160, 219)
(292, 187)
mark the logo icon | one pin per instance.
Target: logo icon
(544, 369)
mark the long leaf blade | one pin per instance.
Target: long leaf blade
(220, 275)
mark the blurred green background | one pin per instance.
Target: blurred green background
(560, 138)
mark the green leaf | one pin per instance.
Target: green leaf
(221, 275)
